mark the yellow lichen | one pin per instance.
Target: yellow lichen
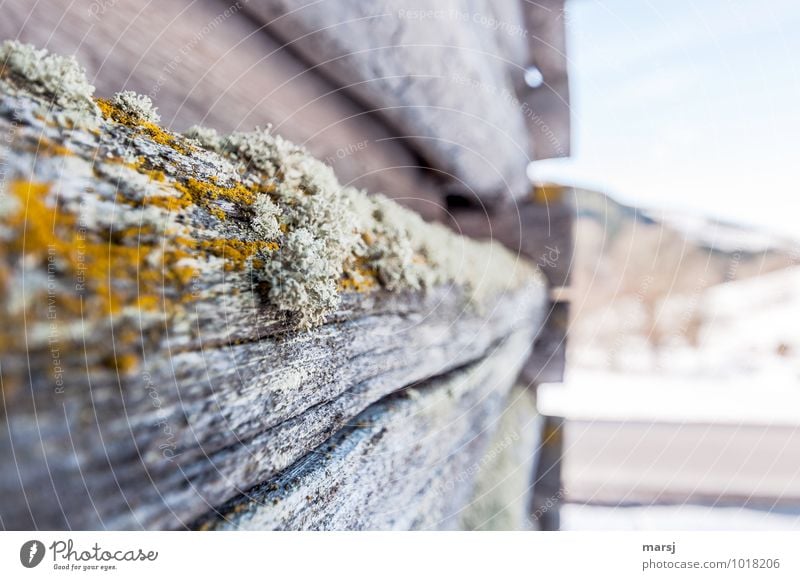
(110, 270)
(46, 146)
(359, 278)
(156, 133)
(122, 362)
(236, 253)
(545, 194)
(194, 193)
(332, 238)
(202, 193)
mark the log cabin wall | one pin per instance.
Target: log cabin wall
(393, 414)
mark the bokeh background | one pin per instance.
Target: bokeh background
(681, 393)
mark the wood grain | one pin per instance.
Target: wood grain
(129, 417)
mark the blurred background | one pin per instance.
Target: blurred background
(682, 388)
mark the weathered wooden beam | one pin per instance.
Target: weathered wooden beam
(504, 482)
(184, 319)
(382, 90)
(540, 228)
(191, 430)
(217, 66)
(406, 462)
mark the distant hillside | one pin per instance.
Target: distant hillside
(644, 273)
(714, 235)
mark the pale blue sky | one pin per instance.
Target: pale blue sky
(688, 104)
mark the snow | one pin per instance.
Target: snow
(745, 369)
(719, 235)
(772, 399)
(681, 517)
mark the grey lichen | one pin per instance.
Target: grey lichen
(265, 218)
(137, 106)
(206, 137)
(335, 232)
(322, 235)
(262, 151)
(404, 250)
(54, 77)
(302, 277)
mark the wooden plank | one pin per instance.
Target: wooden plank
(504, 474)
(226, 419)
(216, 66)
(547, 108)
(541, 230)
(406, 462)
(148, 376)
(442, 77)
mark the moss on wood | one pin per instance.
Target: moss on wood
(164, 208)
